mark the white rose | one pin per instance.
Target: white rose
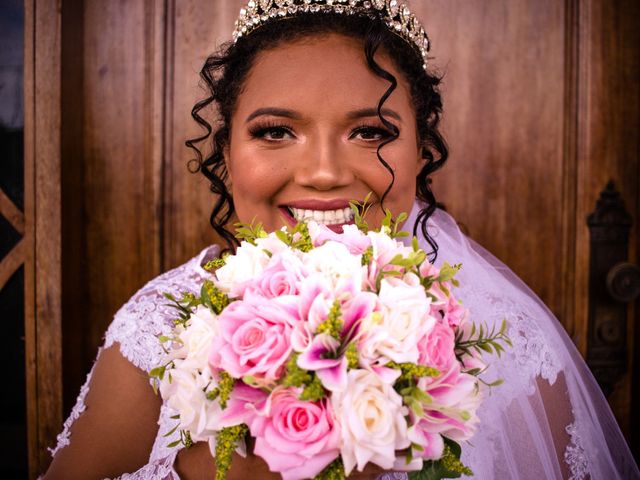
(334, 261)
(248, 262)
(372, 421)
(197, 337)
(182, 388)
(393, 332)
(272, 244)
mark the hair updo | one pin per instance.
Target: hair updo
(224, 74)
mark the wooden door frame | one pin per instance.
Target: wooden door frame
(41, 246)
(42, 267)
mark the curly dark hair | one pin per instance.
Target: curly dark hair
(225, 71)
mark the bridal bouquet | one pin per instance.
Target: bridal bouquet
(332, 350)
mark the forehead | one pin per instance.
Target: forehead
(326, 73)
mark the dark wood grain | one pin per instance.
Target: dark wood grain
(12, 213)
(608, 144)
(542, 108)
(122, 156)
(42, 235)
(33, 446)
(198, 28)
(75, 354)
(503, 67)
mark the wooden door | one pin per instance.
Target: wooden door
(541, 111)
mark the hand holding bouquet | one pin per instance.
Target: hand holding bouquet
(332, 351)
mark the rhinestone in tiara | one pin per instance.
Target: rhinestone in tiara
(396, 15)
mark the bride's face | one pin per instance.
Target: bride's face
(305, 132)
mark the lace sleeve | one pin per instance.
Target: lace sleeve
(138, 323)
(135, 329)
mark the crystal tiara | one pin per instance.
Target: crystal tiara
(396, 15)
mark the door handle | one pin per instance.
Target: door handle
(613, 283)
(623, 282)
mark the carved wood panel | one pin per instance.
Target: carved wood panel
(541, 110)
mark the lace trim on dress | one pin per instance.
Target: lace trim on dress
(574, 455)
(148, 314)
(166, 424)
(159, 470)
(136, 327)
(63, 437)
(532, 351)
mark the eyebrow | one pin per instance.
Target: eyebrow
(355, 114)
(373, 112)
(276, 112)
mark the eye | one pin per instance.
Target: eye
(271, 132)
(370, 133)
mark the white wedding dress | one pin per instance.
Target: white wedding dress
(548, 420)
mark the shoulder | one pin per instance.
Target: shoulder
(147, 314)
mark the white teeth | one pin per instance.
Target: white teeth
(327, 217)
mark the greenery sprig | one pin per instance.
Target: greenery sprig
(298, 377)
(332, 325)
(223, 391)
(216, 263)
(185, 306)
(212, 297)
(333, 471)
(360, 210)
(297, 237)
(482, 340)
(250, 232)
(226, 443)
(185, 439)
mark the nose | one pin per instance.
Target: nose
(323, 166)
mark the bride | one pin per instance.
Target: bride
(320, 103)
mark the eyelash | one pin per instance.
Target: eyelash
(383, 132)
(260, 130)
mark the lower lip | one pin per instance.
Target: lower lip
(336, 227)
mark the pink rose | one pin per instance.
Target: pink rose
(281, 277)
(436, 349)
(255, 336)
(296, 438)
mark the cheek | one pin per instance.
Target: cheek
(405, 164)
(255, 175)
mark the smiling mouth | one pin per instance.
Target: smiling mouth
(338, 216)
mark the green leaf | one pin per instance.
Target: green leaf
(157, 372)
(422, 396)
(170, 432)
(416, 408)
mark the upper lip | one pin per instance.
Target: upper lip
(317, 204)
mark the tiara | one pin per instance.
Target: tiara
(397, 17)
